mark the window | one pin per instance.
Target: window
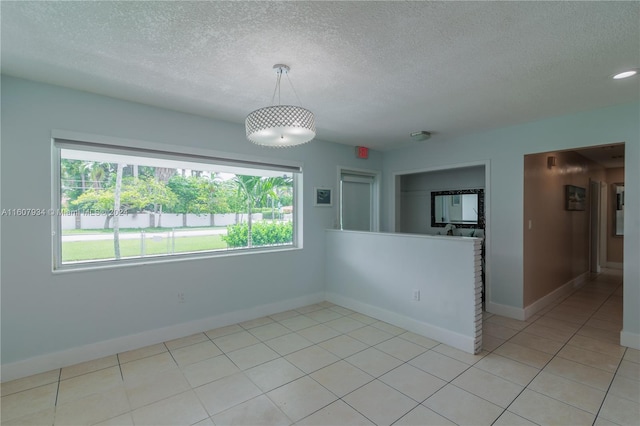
(119, 205)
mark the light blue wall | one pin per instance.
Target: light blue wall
(44, 312)
(505, 149)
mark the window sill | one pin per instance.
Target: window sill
(151, 260)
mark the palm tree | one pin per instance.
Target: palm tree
(255, 190)
(162, 174)
(116, 211)
(99, 172)
(73, 178)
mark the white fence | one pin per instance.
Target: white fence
(166, 220)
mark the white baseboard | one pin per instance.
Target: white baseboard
(65, 358)
(505, 310)
(523, 314)
(630, 340)
(560, 292)
(456, 340)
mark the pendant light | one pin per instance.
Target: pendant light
(280, 125)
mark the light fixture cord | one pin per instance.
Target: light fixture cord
(277, 88)
(294, 90)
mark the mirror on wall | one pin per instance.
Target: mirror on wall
(618, 225)
(463, 208)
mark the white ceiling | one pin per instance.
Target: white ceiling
(372, 72)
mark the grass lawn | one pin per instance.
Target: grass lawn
(132, 230)
(95, 250)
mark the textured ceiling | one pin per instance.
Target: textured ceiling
(372, 72)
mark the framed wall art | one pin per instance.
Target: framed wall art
(323, 197)
(575, 197)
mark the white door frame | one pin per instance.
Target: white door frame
(375, 195)
(594, 227)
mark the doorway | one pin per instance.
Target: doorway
(565, 239)
(359, 197)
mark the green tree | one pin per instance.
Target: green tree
(73, 178)
(207, 194)
(136, 195)
(227, 199)
(186, 189)
(116, 208)
(144, 193)
(192, 196)
(255, 190)
(94, 200)
(162, 175)
(77, 177)
(100, 174)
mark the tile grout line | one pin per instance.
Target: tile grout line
(556, 354)
(126, 394)
(451, 381)
(378, 378)
(606, 394)
(305, 373)
(120, 367)
(341, 398)
(595, 312)
(171, 355)
(344, 359)
(55, 404)
(552, 358)
(419, 403)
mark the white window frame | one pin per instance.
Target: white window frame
(104, 144)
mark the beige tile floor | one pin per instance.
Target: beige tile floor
(327, 365)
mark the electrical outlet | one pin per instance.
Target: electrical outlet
(416, 295)
(180, 297)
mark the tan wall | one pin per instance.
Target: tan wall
(614, 244)
(556, 248)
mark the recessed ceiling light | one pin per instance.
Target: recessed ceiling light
(625, 74)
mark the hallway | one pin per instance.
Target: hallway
(575, 361)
